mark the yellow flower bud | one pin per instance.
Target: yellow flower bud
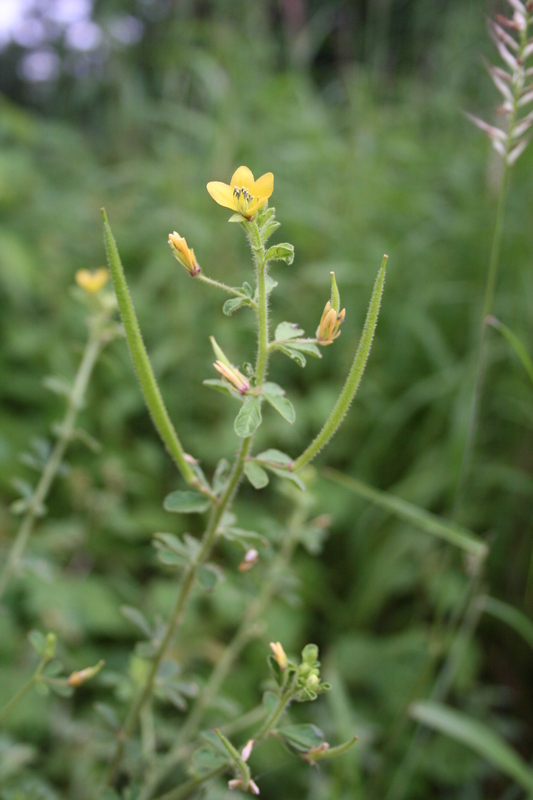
(233, 376)
(279, 654)
(330, 322)
(77, 678)
(183, 253)
(92, 281)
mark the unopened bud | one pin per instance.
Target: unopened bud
(279, 654)
(330, 322)
(77, 678)
(183, 253)
(233, 376)
(250, 559)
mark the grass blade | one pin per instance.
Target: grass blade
(419, 517)
(476, 735)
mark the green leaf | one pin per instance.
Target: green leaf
(61, 689)
(515, 343)
(247, 289)
(302, 737)
(275, 457)
(37, 641)
(237, 218)
(249, 417)
(108, 714)
(478, 736)
(272, 388)
(221, 475)
(270, 284)
(233, 304)
(208, 576)
(57, 385)
(419, 517)
(256, 475)
(186, 503)
(246, 539)
(293, 353)
(282, 405)
(289, 476)
(206, 759)
(270, 701)
(220, 386)
(281, 252)
(306, 347)
(511, 616)
(136, 618)
(287, 330)
(269, 228)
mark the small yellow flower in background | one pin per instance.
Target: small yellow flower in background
(183, 253)
(279, 654)
(243, 194)
(330, 322)
(233, 376)
(92, 281)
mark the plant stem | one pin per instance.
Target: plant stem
(490, 287)
(186, 585)
(275, 714)
(193, 783)
(95, 343)
(25, 689)
(226, 661)
(225, 288)
(217, 511)
(354, 376)
(479, 373)
(143, 368)
(262, 305)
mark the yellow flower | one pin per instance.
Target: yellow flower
(330, 322)
(243, 195)
(233, 376)
(183, 253)
(92, 280)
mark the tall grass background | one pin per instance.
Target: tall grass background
(356, 109)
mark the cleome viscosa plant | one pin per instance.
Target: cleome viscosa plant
(248, 387)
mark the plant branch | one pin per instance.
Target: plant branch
(354, 376)
(141, 362)
(97, 340)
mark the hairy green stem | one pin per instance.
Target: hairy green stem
(141, 362)
(354, 376)
(262, 305)
(218, 509)
(93, 348)
(225, 288)
(186, 585)
(284, 700)
(226, 661)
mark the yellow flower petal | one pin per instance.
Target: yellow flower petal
(243, 177)
(264, 186)
(221, 194)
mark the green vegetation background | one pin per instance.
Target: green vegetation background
(356, 108)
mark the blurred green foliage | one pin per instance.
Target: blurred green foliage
(360, 122)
